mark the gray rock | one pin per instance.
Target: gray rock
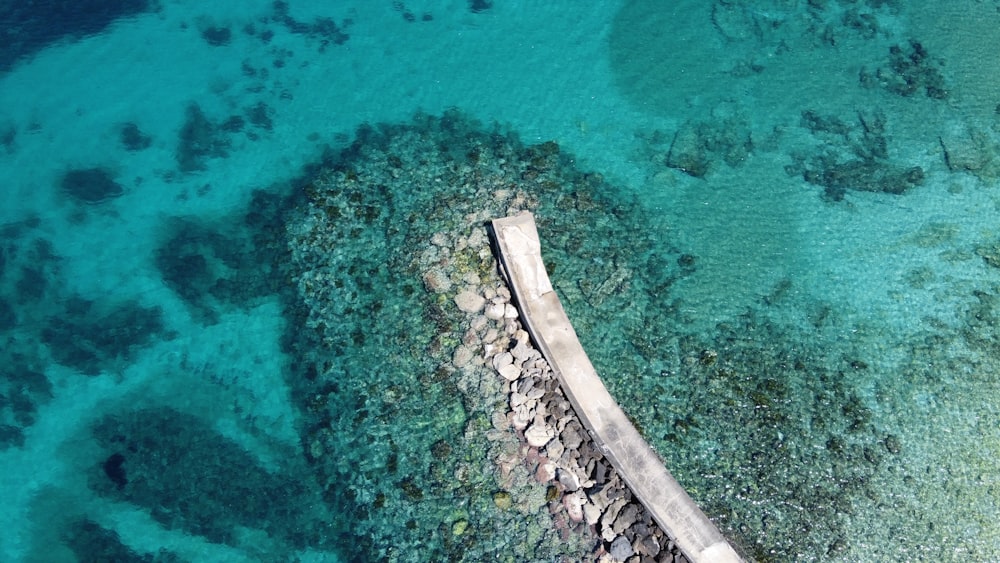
(538, 435)
(471, 278)
(477, 238)
(626, 518)
(621, 549)
(649, 546)
(522, 336)
(571, 438)
(471, 337)
(491, 335)
(440, 239)
(574, 506)
(600, 498)
(436, 281)
(591, 513)
(463, 355)
(521, 351)
(510, 372)
(494, 311)
(501, 360)
(522, 416)
(965, 149)
(499, 420)
(469, 301)
(535, 393)
(611, 513)
(688, 153)
(569, 479)
(559, 408)
(524, 385)
(554, 449)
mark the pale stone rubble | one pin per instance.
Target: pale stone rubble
(584, 494)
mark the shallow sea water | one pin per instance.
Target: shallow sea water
(772, 223)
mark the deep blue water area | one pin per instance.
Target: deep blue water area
(29, 27)
(233, 238)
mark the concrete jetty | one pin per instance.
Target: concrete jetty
(519, 252)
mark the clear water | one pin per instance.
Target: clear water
(798, 198)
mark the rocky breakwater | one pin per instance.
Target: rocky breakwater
(424, 448)
(584, 495)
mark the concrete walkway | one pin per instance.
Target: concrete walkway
(545, 319)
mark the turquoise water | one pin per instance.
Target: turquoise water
(772, 223)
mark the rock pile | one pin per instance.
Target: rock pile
(584, 493)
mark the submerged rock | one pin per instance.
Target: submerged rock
(502, 500)
(469, 301)
(91, 185)
(697, 146)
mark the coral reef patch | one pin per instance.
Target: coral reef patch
(88, 540)
(92, 338)
(232, 261)
(199, 140)
(181, 470)
(909, 71)
(854, 156)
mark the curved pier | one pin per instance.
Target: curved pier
(519, 252)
